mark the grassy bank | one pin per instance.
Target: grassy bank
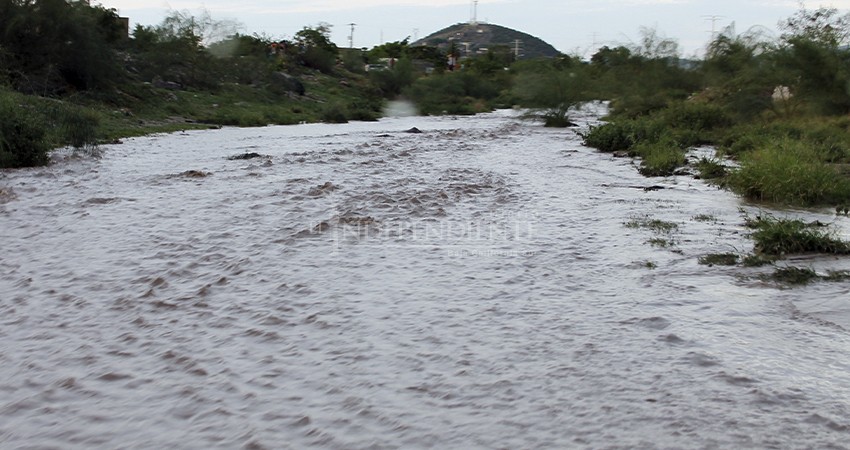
(30, 126)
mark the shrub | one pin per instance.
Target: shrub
(660, 158)
(22, 136)
(451, 93)
(79, 127)
(789, 172)
(710, 169)
(610, 137)
(334, 114)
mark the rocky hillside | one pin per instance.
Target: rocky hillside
(482, 36)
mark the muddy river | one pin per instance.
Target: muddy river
(476, 285)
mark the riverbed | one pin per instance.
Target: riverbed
(480, 284)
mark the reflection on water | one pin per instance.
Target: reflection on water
(355, 286)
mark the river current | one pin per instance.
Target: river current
(355, 286)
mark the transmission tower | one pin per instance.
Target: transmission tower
(351, 36)
(713, 20)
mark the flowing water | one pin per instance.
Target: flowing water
(472, 286)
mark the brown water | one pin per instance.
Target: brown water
(473, 286)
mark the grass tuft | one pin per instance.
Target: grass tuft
(656, 225)
(779, 237)
(719, 259)
(794, 275)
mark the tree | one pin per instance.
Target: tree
(316, 49)
(818, 66)
(554, 88)
(52, 46)
(742, 73)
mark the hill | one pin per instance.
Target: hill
(483, 36)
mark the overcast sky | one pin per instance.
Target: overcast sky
(572, 26)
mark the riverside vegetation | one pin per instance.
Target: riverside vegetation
(69, 75)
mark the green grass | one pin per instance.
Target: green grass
(30, 126)
(659, 159)
(719, 259)
(789, 172)
(757, 260)
(794, 275)
(778, 237)
(705, 218)
(656, 225)
(798, 276)
(710, 169)
(661, 242)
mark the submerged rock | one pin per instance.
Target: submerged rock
(413, 130)
(322, 189)
(193, 174)
(244, 156)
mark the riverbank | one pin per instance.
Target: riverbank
(32, 126)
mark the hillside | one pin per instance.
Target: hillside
(482, 36)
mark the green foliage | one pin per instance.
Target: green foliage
(393, 81)
(79, 126)
(696, 116)
(794, 275)
(789, 172)
(742, 75)
(610, 137)
(452, 93)
(660, 158)
(623, 135)
(553, 88)
(711, 169)
(334, 114)
(817, 64)
(643, 80)
(54, 46)
(719, 259)
(780, 237)
(22, 135)
(656, 225)
(354, 60)
(316, 49)
(393, 50)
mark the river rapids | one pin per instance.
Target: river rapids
(476, 285)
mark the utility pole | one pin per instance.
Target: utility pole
(415, 34)
(473, 20)
(351, 36)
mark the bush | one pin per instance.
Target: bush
(789, 172)
(79, 126)
(451, 93)
(696, 116)
(660, 158)
(22, 136)
(710, 169)
(334, 114)
(610, 137)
